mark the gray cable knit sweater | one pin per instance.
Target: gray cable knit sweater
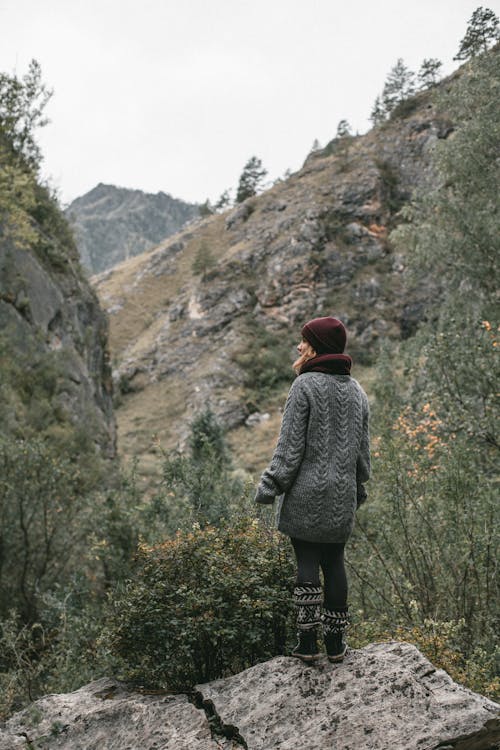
(322, 458)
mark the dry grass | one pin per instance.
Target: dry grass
(144, 292)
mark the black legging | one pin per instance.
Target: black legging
(310, 556)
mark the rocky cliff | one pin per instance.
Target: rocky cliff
(54, 366)
(314, 244)
(112, 223)
(382, 697)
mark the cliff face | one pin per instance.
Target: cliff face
(383, 696)
(54, 364)
(314, 244)
(112, 224)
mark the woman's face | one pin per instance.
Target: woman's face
(305, 350)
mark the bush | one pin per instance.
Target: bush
(207, 603)
(266, 361)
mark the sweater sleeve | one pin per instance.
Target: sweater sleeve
(289, 451)
(363, 463)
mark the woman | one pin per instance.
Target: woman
(319, 466)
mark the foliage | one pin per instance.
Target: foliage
(482, 32)
(431, 528)
(207, 603)
(17, 199)
(266, 362)
(29, 212)
(343, 129)
(206, 209)
(452, 233)
(57, 653)
(22, 104)
(203, 260)
(199, 486)
(224, 201)
(398, 87)
(428, 75)
(398, 94)
(41, 499)
(250, 179)
(390, 192)
(424, 555)
(424, 548)
(377, 115)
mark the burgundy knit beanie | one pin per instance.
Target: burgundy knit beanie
(326, 335)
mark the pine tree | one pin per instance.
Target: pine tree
(428, 75)
(205, 209)
(343, 129)
(203, 260)
(22, 104)
(223, 201)
(399, 86)
(482, 32)
(250, 179)
(378, 115)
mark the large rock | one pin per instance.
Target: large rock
(105, 716)
(54, 331)
(383, 697)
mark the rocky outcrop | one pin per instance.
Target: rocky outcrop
(382, 697)
(54, 367)
(314, 244)
(112, 223)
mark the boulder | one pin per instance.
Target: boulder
(385, 696)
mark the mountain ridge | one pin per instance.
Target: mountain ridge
(112, 223)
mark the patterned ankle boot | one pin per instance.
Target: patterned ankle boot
(307, 598)
(335, 623)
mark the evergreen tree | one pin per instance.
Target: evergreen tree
(378, 115)
(250, 179)
(343, 129)
(482, 32)
(399, 86)
(203, 260)
(203, 477)
(223, 202)
(428, 75)
(206, 209)
(22, 104)
(316, 146)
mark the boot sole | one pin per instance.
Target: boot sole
(307, 658)
(338, 657)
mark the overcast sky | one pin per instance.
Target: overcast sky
(176, 96)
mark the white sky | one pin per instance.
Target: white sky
(176, 96)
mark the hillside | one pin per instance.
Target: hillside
(314, 244)
(112, 223)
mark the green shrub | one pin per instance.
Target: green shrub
(207, 603)
(266, 360)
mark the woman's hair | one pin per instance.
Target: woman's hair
(303, 357)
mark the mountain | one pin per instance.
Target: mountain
(384, 695)
(112, 223)
(314, 244)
